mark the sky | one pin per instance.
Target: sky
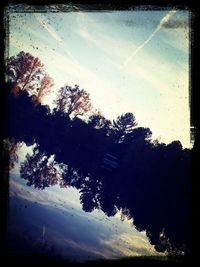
(129, 61)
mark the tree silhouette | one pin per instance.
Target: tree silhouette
(39, 170)
(116, 169)
(26, 72)
(148, 182)
(73, 100)
(11, 147)
(123, 125)
(90, 193)
(138, 135)
(98, 121)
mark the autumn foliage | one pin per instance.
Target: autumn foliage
(26, 72)
(73, 100)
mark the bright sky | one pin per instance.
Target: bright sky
(129, 61)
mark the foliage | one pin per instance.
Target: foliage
(149, 181)
(73, 100)
(123, 125)
(26, 72)
(39, 170)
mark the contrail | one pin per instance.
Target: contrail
(44, 22)
(163, 21)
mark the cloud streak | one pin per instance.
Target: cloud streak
(44, 22)
(163, 21)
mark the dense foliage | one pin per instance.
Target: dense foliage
(115, 165)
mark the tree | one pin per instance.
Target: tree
(151, 183)
(11, 148)
(26, 72)
(98, 121)
(73, 100)
(90, 193)
(139, 134)
(45, 87)
(39, 170)
(123, 125)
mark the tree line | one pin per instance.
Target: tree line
(114, 165)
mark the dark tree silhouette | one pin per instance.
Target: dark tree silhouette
(39, 170)
(123, 125)
(90, 192)
(73, 100)
(124, 170)
(138, 134)
(98, 121)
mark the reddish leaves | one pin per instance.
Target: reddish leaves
(45, 86)
(26, 72)
(74, 101)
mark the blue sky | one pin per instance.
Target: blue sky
(129, 61)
